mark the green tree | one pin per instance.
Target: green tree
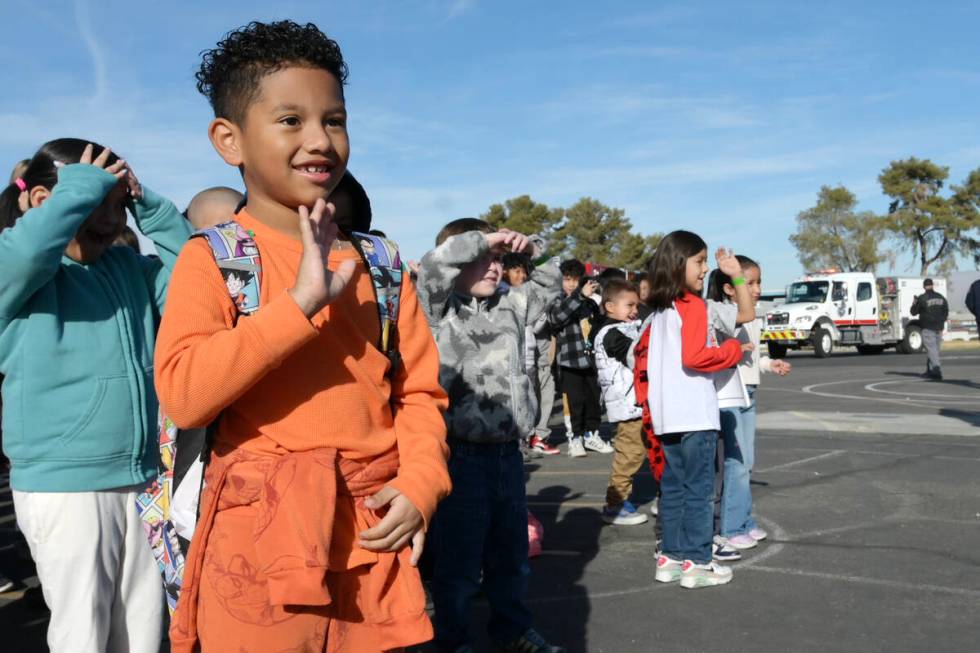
(933, 227)
(524, 215)
(966, 198)
(592, 231)
(832, 234)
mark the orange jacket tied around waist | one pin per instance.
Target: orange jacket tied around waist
(294, 551)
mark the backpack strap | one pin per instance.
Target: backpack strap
(237, 257)
(385, 265)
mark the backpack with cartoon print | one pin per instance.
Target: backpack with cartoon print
(168, 508)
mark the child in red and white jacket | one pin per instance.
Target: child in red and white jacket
(684, 408)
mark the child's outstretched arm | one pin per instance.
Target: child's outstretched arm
(695, 352)
(440, 268)
(207, 357)
(160, 221)
(31, 250)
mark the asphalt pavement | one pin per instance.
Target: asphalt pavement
(867, 479)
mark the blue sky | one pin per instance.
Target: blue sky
(720, 117)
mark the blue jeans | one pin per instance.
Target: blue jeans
(687, 493)
(738, 434)
(480, 533)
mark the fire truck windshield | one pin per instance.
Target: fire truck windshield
(807, 291)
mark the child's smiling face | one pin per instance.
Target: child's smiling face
(293, 140)
(696, 268)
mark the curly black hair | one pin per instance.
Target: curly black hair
(230, 73)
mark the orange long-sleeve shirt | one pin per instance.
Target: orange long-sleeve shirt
(284, 382)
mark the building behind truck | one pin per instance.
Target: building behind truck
(830, 309)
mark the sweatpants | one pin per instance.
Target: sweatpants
(97, 573)
(581, 388)
(545, 388)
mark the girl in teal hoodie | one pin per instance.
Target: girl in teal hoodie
(78, 319)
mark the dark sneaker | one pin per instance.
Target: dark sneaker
(530, 642)
(724, 552)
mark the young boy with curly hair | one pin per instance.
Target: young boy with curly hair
(329, 457)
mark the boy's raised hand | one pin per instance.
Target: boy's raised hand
(506, 240)
(402, 523)
(727, 263)
(316, 286)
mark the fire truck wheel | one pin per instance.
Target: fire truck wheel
(912, 343)
(823, 342)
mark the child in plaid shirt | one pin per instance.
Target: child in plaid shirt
(571, 319)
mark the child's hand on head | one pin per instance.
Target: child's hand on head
(117, 169)
(402, 524)
(134, 185)
(727, 263)
(316, 286)
(506, 240)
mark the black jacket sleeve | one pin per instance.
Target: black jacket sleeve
(617, 344)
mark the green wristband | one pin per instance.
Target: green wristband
(738, 281)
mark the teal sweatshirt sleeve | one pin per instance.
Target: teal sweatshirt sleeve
(160, 221)
(31, 250)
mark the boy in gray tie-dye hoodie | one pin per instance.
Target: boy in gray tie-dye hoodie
(480, 530)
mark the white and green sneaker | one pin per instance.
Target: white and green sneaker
(668, 569)
(694, 576)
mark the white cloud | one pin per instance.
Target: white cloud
(99, 73)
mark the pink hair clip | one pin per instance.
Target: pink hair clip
(21, 184)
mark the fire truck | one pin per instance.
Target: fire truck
(829, 309)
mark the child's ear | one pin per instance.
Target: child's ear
(729, 289)
(37, 196)
(225, 136)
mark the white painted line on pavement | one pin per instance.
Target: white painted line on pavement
(777, 534)
(945, 398)
(865, 580)
(803, 461)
